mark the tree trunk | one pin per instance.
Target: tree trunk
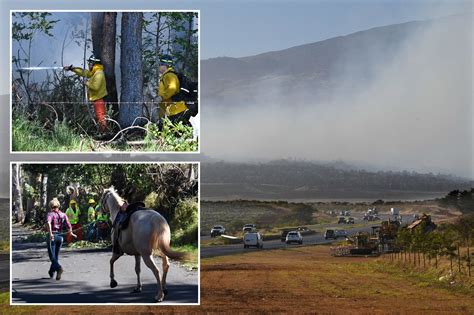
(189, 35)
(109, 32)
(16, 192)
(97, 25)
(30, 202)
(131, 96)
(157, 48)
(40, 215)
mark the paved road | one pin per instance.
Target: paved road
(314, 239)
(86, 278)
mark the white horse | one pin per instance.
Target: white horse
(146, 231)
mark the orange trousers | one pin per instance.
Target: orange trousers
(76, 228)
(100, 112)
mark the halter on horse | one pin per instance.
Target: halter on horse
(147, 231)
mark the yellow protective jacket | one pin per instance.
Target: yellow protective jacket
(73, 214)
(168, 87)
(96, 86)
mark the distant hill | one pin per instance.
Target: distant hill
(306, 180)
(316, 69)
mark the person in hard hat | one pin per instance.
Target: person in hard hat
(73, 213)
(55, 220)
(102, 224)
(96, 87)
(168, 87)
(91, 215)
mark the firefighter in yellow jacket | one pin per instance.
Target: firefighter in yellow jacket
(96, 87)
(169, 86)
(73, 213)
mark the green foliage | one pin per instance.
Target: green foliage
(184, 224)
(172, 33)
(463, 200)
(185, 214)
(172, 137)
(188, 236)
(30, 136)
(152, 200)
(26, 24)
(444, 241)
(164, 187)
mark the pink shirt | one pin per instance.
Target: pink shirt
(57, 219)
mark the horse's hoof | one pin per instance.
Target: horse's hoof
(113, 283)
(160, 299)
(137, 290)
(165, 291)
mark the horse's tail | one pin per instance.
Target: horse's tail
(161, 241)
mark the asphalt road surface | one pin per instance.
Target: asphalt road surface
(86, 278)
(308, 240)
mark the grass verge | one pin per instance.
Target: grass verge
(193, 253)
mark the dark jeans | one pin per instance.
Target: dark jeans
(92, 232)
(53, 251)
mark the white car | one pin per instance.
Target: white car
(294, 237)
(249, 228)
(253, 239)
(217, 230)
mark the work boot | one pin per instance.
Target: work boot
(58, 274)
(51, 274)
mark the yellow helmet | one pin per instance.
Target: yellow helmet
(91, 201)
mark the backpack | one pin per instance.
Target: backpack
(188, 91)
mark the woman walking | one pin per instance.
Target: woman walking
(54, 222)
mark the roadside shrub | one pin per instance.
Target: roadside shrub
(186, 237)
(185, 214)
(152, 200)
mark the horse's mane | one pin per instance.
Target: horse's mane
(113, 192)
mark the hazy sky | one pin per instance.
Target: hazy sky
(242, 28)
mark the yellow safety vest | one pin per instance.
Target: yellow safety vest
(103, 217)
(91, 214)
(73, 215)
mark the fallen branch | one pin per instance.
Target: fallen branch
(121, 132)
(140, 117)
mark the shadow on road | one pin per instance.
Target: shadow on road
(45, 292)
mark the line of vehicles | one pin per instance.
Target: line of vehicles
(253, 238)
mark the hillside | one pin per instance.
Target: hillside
(318, 69)
(307, 180)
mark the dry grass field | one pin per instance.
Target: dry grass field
(303, 280)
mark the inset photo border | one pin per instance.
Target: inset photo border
(88, 233)
(105, 82)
